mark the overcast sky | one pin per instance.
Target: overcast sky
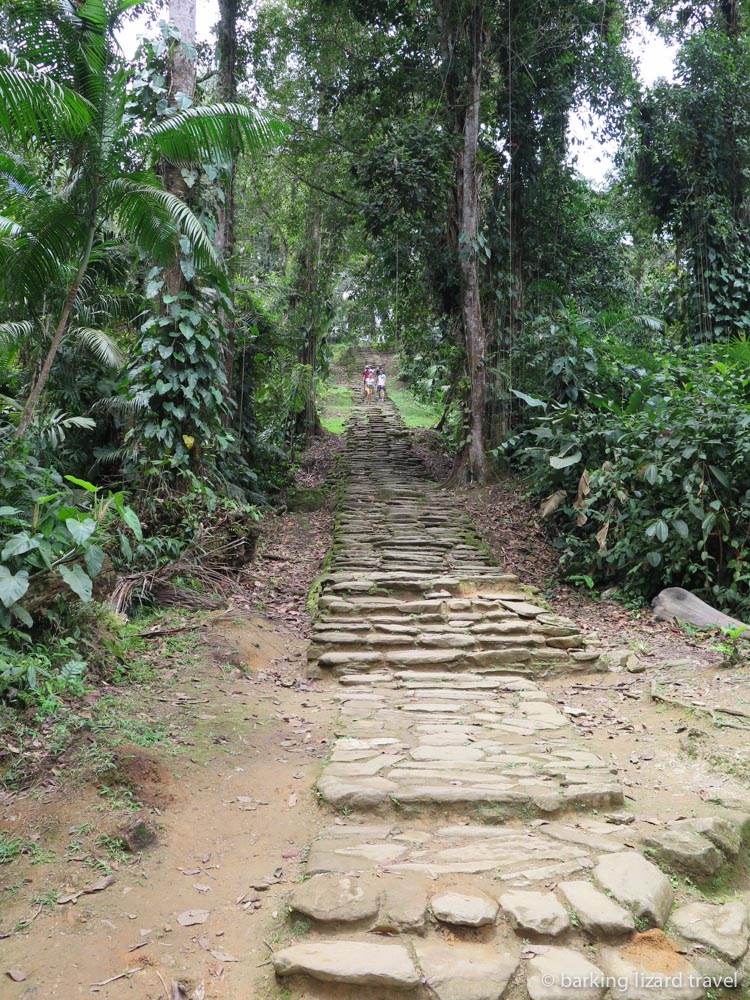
(594, 159)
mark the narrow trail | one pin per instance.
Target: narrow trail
(477, 848)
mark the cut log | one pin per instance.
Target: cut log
(676, 604)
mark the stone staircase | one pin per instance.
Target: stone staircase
(475, 846)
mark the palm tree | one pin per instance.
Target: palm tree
(64, 93)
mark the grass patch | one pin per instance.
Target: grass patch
(413, 412)
(336, 404)
(13, 847)
(83, 734)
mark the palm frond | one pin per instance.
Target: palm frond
(35, 107)
(113, 456)
(215, 132)
(122, 406)
(153, 217)
(35, 262)
(14, 333)
(100, 344)
(8, 227)
(18, 178)
(91, 40)
(124, 6)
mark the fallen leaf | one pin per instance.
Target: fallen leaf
(292, 799)
(201, 888)
(222, 956)
(191, 917)
(98, 886)
(16, 975)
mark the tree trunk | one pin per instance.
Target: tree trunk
(226, 49)
(308, 312)
(62, 325)
(181, 81)
(471, 464)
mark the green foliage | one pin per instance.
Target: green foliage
(694, 137)
(654, 492)
(733, 645)
(180, 384)
(51, 526)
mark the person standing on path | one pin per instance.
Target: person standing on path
(380, 385)
(367, 373)
(369, 385)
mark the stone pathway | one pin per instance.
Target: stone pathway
(476, 848)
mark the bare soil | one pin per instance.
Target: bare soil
(230, 799)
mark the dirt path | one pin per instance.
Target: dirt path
(232, 809)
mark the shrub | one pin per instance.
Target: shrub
(656, 493)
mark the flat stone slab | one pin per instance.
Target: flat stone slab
(459, 971)
(359, 963)
(721, 927)
(537, 912)
(636, 883)
(595, 912)
(464, 909)
(564, 974)
(516, 857)
(403, 907)
(333, 898)
(686, 850)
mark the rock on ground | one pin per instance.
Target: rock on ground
(358, 963)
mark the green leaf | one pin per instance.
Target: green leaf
(153, 217)
(89, 487)
(34, 106)
(562, 462)
(12, 585)
(654, 559)
(18, 544)
(662, 530)
(23, 615)
(718, 474)
(78, 580)
(529, 400)
(681, 528)
(81, 531)
(130, 518)
(94, 559)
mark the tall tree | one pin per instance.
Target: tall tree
(181, 95)
(694, 141)
(464, 31)
(226, 57)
